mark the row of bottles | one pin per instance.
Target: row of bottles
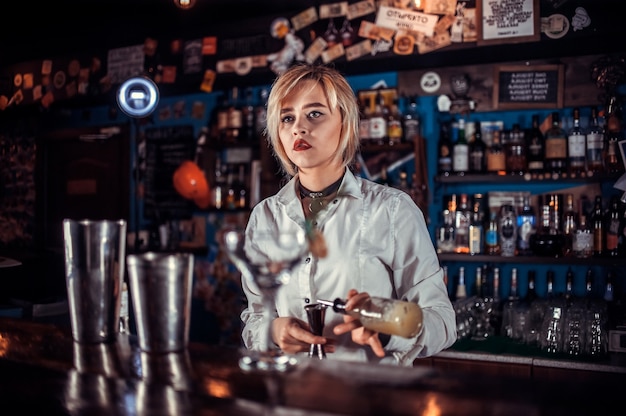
(560, 227)
(384, 123)
(567, 323)
(556, 154)
(230, 187)
(239, 118)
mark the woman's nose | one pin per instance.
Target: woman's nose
(298, 129)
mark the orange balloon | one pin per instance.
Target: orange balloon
(189, 181)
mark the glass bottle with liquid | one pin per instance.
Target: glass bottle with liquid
(460, 152)
(516, 163)
(411, 121)
(496, 156)
(576, 147)
(383, 315)
(444, 151)
(598, 227)
(526, 227)
(594, 145)
(477, 152)
(569, 223)
(378, 121)
(556, 149)
(535, 150)
(492, 235)
(582, 243)
(508, 230)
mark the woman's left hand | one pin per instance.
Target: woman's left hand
(359, 333)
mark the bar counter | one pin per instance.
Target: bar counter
(42, 371)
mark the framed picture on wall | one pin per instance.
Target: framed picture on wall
(498, 22)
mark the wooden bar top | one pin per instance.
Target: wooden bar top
(42, 371)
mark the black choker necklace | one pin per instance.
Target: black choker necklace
(316, 201)
(332, 188)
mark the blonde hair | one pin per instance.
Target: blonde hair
(339, 95)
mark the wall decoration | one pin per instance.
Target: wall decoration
(507, 21)
(521, 86)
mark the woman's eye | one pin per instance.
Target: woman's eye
(314, 114)
(286, 119)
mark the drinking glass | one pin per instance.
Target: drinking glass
(267, 258)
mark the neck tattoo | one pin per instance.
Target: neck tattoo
(316, 201)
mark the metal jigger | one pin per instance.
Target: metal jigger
(316, 312)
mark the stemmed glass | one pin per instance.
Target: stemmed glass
(267, 259)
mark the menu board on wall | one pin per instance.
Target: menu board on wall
(166, 149)
(534, 86)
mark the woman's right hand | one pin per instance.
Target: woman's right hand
(293, 335)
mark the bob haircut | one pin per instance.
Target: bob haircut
(339, 95)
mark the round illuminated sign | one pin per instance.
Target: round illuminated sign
(138, 97)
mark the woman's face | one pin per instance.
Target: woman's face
(309, 129)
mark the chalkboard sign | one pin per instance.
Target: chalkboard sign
(538, 86)
(166, 149)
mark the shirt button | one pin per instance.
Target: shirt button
(308, 260)
(335, 201)
(307, 300)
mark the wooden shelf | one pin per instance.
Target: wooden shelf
(484, 258)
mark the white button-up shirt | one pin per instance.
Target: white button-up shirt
(378, 243)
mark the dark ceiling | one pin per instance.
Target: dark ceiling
(32, 30)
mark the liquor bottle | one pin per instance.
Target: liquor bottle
(507, 228)
(460, 152)
(613, 220)
(476, 231)
(411, 121)
(234, 117)
(609, 293)
(576, 147)
(509, 307)
(378, 121)
(231, 189)
(569, 223)
(461, 290)
(222, 118)
(526, 227)
(516, 152)
(548, 240)
(478, 281)
(218, 190)
(386, 316)
(492, 239)
(364, 123)
(247, 114)
(394, 124)
(531, 291)
(569, 285)
(461, 225)
(444, 151)
(446, 232)
(535, 150)
(477, 152)
(582, 244)
(556, 149)
(598, 227)
(241, 190)
(595, 145)
(496, 157)
(613, 135)
(589, 285)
